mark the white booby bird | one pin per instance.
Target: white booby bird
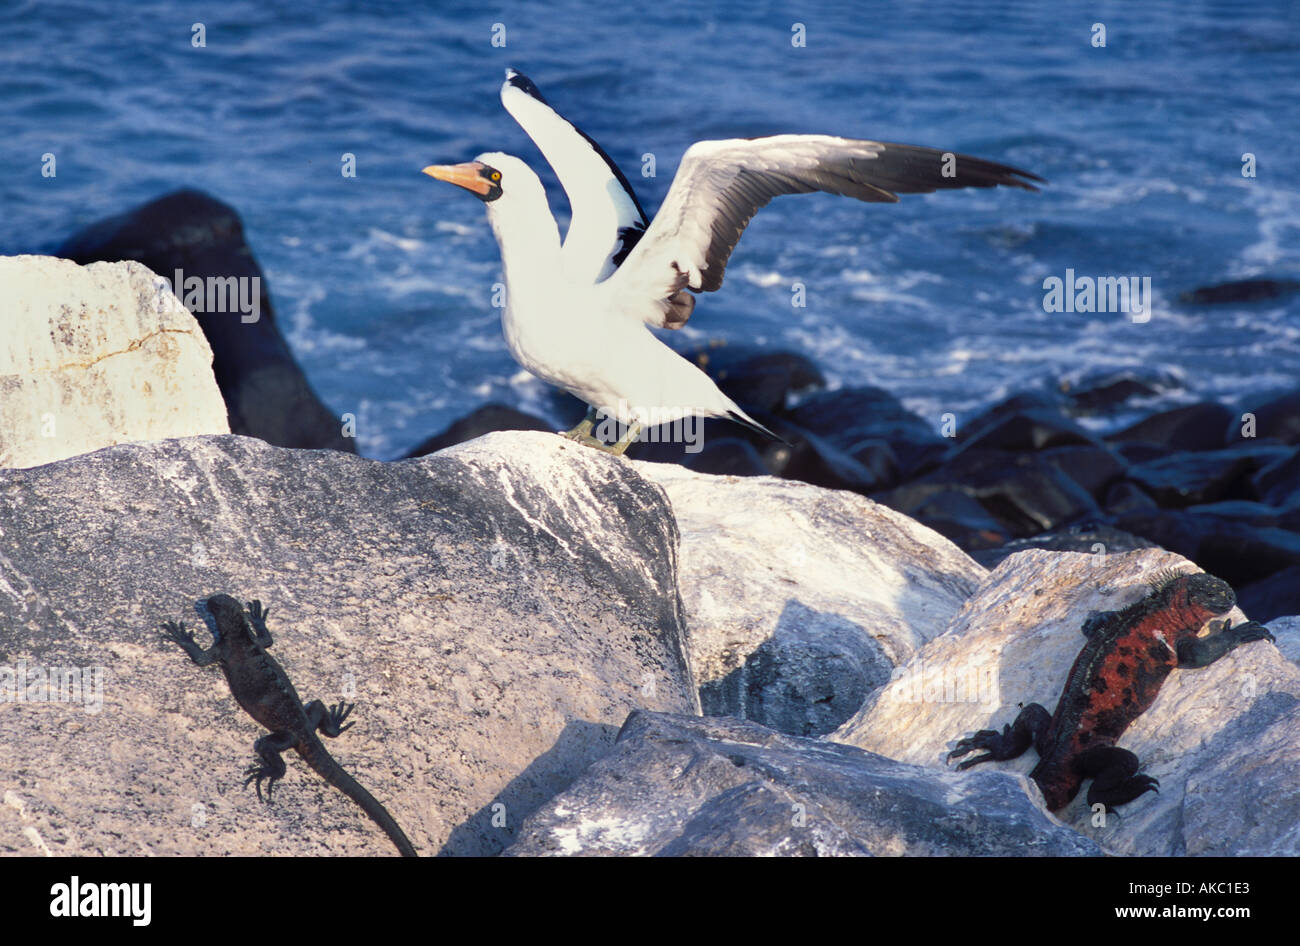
(578, 312)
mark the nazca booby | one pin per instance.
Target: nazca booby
(579, 310)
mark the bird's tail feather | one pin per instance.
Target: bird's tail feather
(744, 420)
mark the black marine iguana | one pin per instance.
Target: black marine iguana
(1114, 680)
(261, 687)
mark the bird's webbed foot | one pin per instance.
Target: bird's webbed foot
(583, 434)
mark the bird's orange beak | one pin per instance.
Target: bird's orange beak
(468, 175)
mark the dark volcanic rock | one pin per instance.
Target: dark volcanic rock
(1241, 290)
(481, 420)
(851, 416)
(1278, 484)
(816, 460)
(1238, 552)
(1096, 395)
(1289, 516)
(1123, 498)
(1170, 529)
(266, 393)
(1096, 538)
(1241, 553)
(1094, 468)
(954, 514)
(1276, 596)
(1029, 430)
(878, 457)
(1024, 492)
(726, 448)
(755, 378)
(1278, 419)
(729, 456)
(1238, 510)
(1026, 421)
(743, 821)
(679, 785)
(563, 406)
(1139, 452)
(805, 456)
(1193, 427)
(1187, 479)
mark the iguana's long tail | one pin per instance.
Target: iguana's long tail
(324, 764)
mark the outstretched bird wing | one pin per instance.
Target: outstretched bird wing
(720, 185)
(607, 218)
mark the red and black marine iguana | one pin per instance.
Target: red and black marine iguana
(260, 685)
(1114, 680)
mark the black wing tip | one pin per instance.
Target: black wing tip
(971, 171)
(524, 84)
(1013, 173)
(992, 174)
(518, 80)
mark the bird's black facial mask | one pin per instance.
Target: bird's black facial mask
(493, 177)
(479, 179)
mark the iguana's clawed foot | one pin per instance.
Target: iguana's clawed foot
(987, 739)
(271, 767)
(257, 616)
(256, 773)
(1115, 776)
(337, 713)
(1250, 631)
(1014, 739)
(1131, 788)
(175, 631)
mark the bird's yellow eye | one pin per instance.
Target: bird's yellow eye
(496, 175)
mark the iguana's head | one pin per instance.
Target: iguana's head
(227, 611)
(1204, 591)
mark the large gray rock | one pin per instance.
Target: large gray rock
(495, 611)
(1287, 632)
(1224, 741)
(92, 356)
(801, 600)
(678, 785)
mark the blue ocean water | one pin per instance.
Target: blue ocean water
(382, 282)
